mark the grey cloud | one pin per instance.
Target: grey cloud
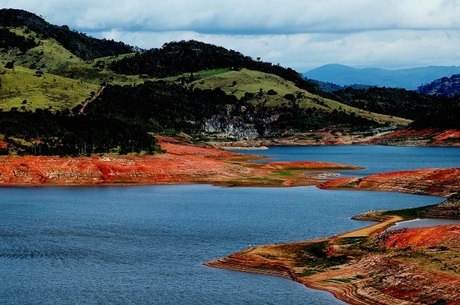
(250, 16)
(295, 33)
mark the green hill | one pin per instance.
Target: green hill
(274, 91)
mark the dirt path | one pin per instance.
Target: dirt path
(90, 100)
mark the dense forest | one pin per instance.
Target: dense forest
(45, 133)
(426, 110)
(9, 40)
(391, 101)
(123, 118)
(83, 46)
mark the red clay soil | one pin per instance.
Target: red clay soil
(181, 163)
(440, 182)
(3, 145)
(431, 137)
(425, 237)
(410, 266)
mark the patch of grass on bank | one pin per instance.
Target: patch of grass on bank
(351, 240)
(289, 173)
(408, 214)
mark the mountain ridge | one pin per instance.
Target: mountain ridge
(410, 78)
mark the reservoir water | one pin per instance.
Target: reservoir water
(373, 158)
(146, 245)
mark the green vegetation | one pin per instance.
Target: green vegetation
(412, 213)
(341, 280)
(427, 111)
(24, 89)
(314, 256)
(351, 240)
(79, 44)
(273, 91)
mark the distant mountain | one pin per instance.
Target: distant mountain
(409, 79)
(446, 86)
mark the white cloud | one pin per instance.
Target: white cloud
(300, 34)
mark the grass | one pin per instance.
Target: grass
(22, 89)
(341, 280)
(351, 240)
(408, 214)
(65, 81)
(307, 272)
(198, 75)
(289, 173)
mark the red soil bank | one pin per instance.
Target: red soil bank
(181, 163)
(441, 182)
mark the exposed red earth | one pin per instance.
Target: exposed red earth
(3, 145)
(181, 163)
(427, 137)
(440, 182)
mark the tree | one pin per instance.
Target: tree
(10, 65)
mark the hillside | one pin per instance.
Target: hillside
(273, 91)
(408, 79)
(446, 86)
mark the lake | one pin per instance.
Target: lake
(146, 244)
(373, 158)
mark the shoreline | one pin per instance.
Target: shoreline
(346, 280)
(343, 255)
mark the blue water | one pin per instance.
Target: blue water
(373, 158)
(146, 245)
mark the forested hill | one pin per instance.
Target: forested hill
(426, 111)
(175, 58)
(81, 45)
(446, 86)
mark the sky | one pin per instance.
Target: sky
(303, 35)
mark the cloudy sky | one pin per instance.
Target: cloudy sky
(302, 34)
